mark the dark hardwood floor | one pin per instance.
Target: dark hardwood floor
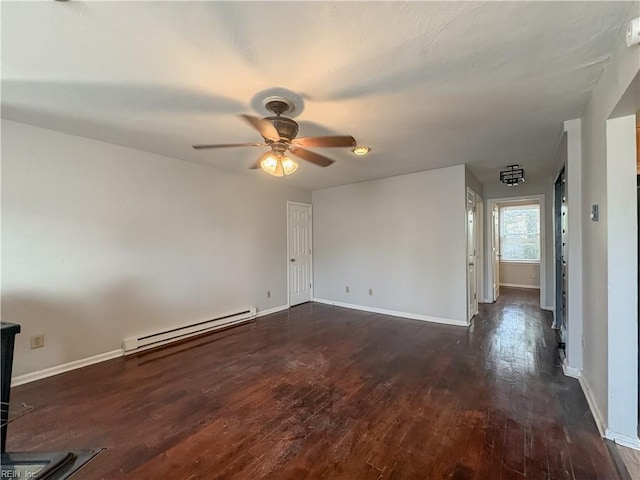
(321, 392)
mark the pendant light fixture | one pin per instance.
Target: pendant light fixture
(512, 176)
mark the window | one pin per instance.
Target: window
(520, 233)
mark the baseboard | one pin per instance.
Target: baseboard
(571, 371)
(520, 285)
(65, 367)
(624, 440)
(548, 309)
(269, 311)
(393, 313)
(85, 362)
(593, 406)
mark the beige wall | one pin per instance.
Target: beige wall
(520, 274)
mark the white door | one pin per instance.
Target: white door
(480, 249)
(472, 279)
(299, 252)
(495, 249)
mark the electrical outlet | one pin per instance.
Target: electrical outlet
(533, 275)
(346, 289)
(371, 291)
(37, 341)
(268, 293)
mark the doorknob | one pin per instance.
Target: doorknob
(292, 260)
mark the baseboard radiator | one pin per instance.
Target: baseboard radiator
(151, 340)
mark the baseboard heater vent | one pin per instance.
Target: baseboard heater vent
(163, 337)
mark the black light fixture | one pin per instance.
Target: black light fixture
(512, 176)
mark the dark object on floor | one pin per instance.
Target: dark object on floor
(9, 332)
(44, 466)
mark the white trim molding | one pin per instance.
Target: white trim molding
(593, 405)
(65, 367)
(393, 313)
(103, 357)
(269, 311)
(520, 285)
(571, 371)
(624, 440)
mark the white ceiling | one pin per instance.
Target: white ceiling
(425, 84)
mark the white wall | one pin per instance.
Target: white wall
(614, 81)
(575, 219)
(100, 242)
(404, 237)
(530, 187)
(622, 264)
(472, 182)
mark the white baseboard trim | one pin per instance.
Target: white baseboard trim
(571, 371)
(520, 285)
(393, 313)
(624, 440)
(593, 406)
(269, 311)
(65, 367)
(548, 309)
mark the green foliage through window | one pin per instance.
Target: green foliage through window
(520, 233)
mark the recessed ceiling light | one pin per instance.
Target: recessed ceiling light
(361, 150)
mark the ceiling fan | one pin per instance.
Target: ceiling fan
(279, 133)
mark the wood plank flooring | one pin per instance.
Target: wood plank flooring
(631, 459)
(321, 392)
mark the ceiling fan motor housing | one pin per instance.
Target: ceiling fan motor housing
(287, 128)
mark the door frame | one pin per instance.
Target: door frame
(494, 286)
(491, 202)
(480, 248)
(470, 192)
(300, 204)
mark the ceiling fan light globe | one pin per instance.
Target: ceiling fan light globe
(270, 164)
(288, 165)
(279, 172)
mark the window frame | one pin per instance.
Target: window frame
(529, 206)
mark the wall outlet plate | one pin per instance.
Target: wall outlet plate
(37, 341)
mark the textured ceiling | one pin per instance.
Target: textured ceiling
(425, 84)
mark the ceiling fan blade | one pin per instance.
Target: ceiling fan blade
(228, 145)
(266, 129)
(255, 165)
(312, 157)
(330, 141)
(258, 163)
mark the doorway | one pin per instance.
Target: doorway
(517, 250)
(561, 257)
(299, 253)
